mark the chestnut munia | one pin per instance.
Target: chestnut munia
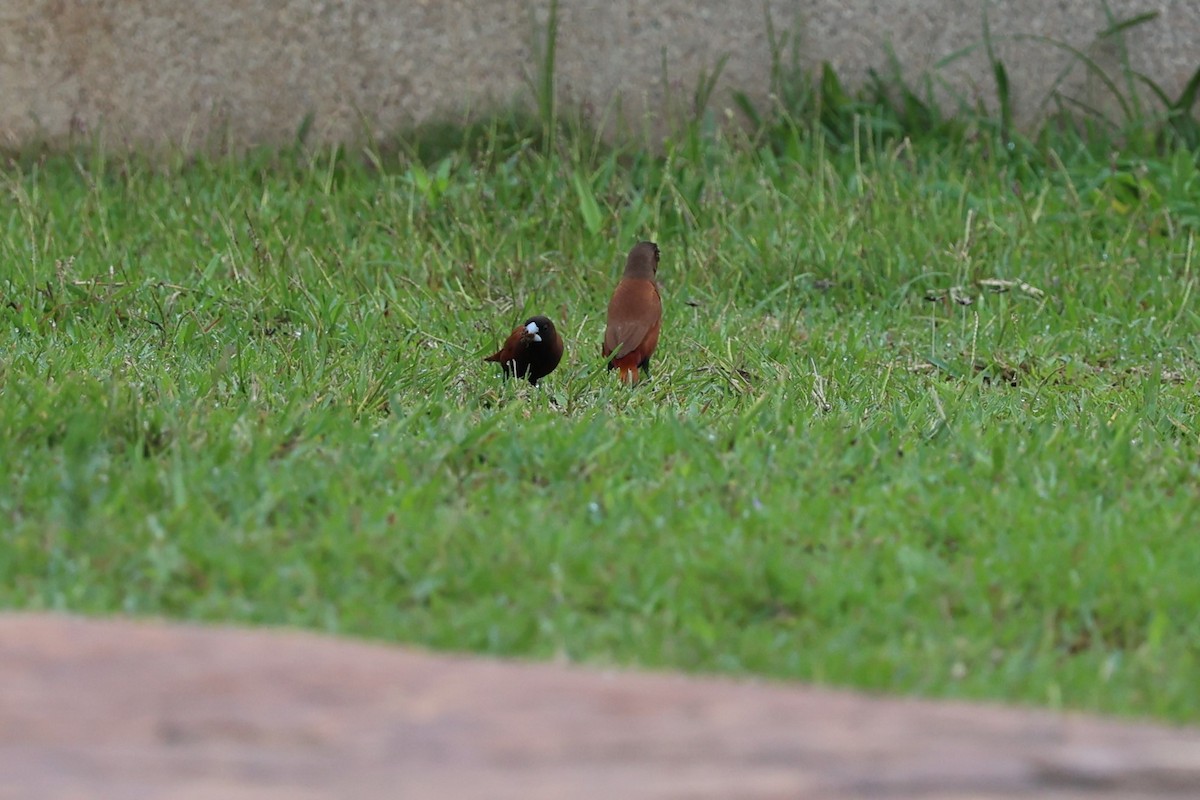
(531, 351)
(634, 314)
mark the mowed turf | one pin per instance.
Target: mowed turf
(252, 390)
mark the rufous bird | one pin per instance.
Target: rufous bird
(531, 351)
(634, 315)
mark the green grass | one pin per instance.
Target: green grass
(251, 390)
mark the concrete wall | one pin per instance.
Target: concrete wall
(196, 72)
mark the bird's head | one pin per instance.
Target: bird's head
(643, 261)
(538, 329)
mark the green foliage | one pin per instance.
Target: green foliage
(924, 416)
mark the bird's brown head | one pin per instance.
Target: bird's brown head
(643, 261)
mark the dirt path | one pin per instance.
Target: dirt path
(121, 709)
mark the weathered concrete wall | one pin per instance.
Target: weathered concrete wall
(177, 71)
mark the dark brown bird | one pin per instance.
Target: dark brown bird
(531, 351)
(634, 314)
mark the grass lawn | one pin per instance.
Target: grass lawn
(252, 390)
